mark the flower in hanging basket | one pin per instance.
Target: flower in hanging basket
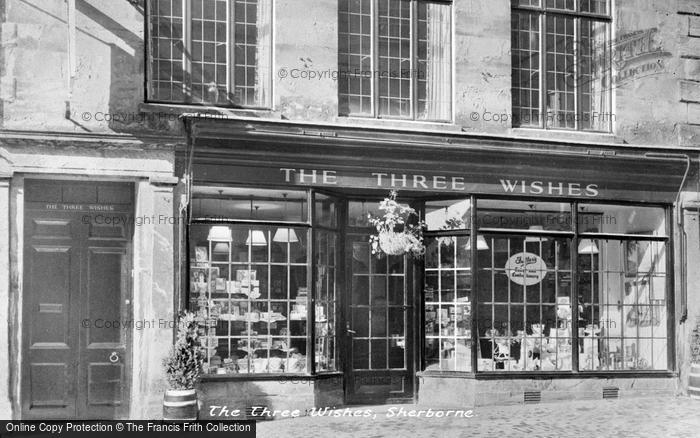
(395, 234)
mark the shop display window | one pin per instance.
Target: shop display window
(249, 287)
(550, 294)
(448, 306)
(524, 312)
(327, 246)
(622, 292)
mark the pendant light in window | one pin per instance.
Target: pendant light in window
(220, 234)
(535, 239)
(256, 237)
(481, 244)
(285, 235)
(588, 246)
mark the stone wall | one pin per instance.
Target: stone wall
(657, 103)
(461, 392)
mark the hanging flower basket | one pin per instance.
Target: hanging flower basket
(395, 235)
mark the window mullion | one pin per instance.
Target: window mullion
(230, 62)
(374, 57)
(414, 56)
(187, 40)
(543, 70)
(576, 73)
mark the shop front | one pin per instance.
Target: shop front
(548, 269)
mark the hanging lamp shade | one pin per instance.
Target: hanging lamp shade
(481, 244)
(219, 233)
(587, 246)
(531, 239)
(285, 235)
(221, 248)
(256, 238)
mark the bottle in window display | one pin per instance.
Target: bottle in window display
(531, 348)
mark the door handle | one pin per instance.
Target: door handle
(352, 332)
(114, 357)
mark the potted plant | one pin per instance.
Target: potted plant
(397, 232)
(183, 367)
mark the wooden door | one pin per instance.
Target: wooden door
(379, 315)
(76, 301)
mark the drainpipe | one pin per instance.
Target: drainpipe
(72, 55)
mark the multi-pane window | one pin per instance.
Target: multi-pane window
(395, 59)
(327, 246)
(558, 287)
(249, 281)
(448, 280)
(214, 52)
(524, 287)
(561, 64)
(622, 285)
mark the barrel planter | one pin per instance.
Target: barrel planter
(180, 405)
(694, 381)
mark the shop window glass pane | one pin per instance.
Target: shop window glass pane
(523, 215)
(326, 305)
(448, 305)
(432, 354)
(358, 212)
(216, 203)
(448, 215)
(525, 309)
(624, 298)
(621, 219)
(326, 211)
(252, 308)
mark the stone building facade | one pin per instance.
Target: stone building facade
(126, 146)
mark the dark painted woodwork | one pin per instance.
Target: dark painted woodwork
(77, 291)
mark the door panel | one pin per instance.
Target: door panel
(50, 338)
(76, 286)
(380, 309)
(105, 352)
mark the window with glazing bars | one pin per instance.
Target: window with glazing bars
(561, 64)
(395, 59)
(213, 52)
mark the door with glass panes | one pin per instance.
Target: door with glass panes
(379, 323)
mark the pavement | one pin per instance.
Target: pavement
(635, 417)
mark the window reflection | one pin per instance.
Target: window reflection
(620, 219)
(227, 203)
(523, 215)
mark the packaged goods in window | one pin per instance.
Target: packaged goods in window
(320, 314)
(246, 276)
(220, 285)
(298, 312)
(590, 359)
(296, 363)
(201, 254)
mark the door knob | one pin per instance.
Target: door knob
(114, 357)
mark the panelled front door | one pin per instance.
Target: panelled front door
(379, 366)
(76, 296)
